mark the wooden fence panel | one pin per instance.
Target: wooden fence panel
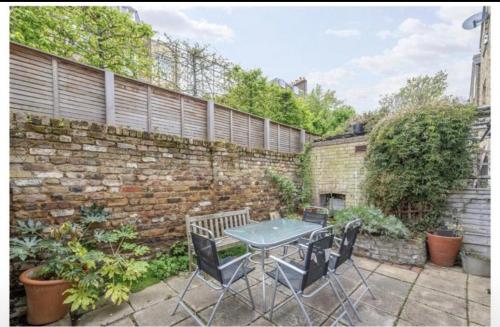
(256, 132)
(47, 85)
(31, 82)
(131, 103)
(240, 128)
(472, 208)
(81, 93)
(222, 121)
(273, 137)
(284, 137)
(195, 118)
(165, 111)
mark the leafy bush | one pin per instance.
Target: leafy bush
(70, 251)
(417, 156)
(289, 193)
(374, 222)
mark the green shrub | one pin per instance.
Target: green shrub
(289, 193)
(417, 156)
(374, 222)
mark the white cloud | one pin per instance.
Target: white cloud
(174, 21)
(420, 48)
(343, 33)
(329, 79)
(385, 34)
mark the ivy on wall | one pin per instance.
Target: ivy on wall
(416, 156)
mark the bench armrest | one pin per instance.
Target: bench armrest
(288, 265)
(232, 262)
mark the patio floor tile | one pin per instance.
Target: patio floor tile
(369, 315)
(202, 297)
(231, 312)
(259, 299)
(105, 315)
(261, 322)
(291, 315)
(323, 301)
(177, 283)
(151, 295)
(384, 301)
(403, 274)
(421, 314)
(444, 281)
(440, 301)
(123, 322)
(380, 283)
(159, 314)
(365, 263)
(478, 290)
(479, 314)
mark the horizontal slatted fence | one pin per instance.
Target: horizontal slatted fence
(47, 85)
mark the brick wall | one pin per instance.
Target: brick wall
(337, 167)
(153, 180)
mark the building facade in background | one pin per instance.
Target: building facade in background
(480, 90)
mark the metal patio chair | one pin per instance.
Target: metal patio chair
(310, 217)
(225, 272)
(344, 256)
(298, 276)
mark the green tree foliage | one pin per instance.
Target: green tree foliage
(418, 155)
(417, 92)
(97, 35)
(318, 112)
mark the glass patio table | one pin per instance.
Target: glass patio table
(269, 234)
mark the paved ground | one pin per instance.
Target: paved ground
(404, 297)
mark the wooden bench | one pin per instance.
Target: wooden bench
(217, 223)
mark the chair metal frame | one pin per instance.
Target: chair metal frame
(299, 295)
(224, 288)
(334, 274)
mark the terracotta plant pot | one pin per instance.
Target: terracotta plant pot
(44, 298)
(443, 249)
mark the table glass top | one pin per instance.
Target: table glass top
(272, 232)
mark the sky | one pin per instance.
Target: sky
(360, 52)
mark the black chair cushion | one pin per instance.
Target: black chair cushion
(294, 277)
(228, 272)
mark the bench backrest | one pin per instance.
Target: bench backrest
(218, 222)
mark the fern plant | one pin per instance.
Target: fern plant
(73, 251)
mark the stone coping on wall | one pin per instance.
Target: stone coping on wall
(400, 251)
(352, 139)
(62, 125)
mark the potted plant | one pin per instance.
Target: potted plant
(73, 270)
(444, 244)
(475, 263)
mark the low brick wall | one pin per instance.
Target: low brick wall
(410, 252)
(149, 179)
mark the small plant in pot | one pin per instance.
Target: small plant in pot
(475, 263)
(79, 262)
(444, 243)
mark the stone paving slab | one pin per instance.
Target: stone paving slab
(127, 321)
(291, 315)
(159, 314)
(479, 314)
(259, 299)
(105, 315)
(369, 315)
(231, 312)
(151, 295)
(420, 297)
(421, 314)
(393, 271)
(440, 301)
(478, 289)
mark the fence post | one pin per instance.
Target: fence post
(267, 131)
(210, 121)
(150, 120)
(302, 140)
(181, 103)
(55, 87)
(109, 86)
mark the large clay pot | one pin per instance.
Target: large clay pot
(443, 249)
(44, 298)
